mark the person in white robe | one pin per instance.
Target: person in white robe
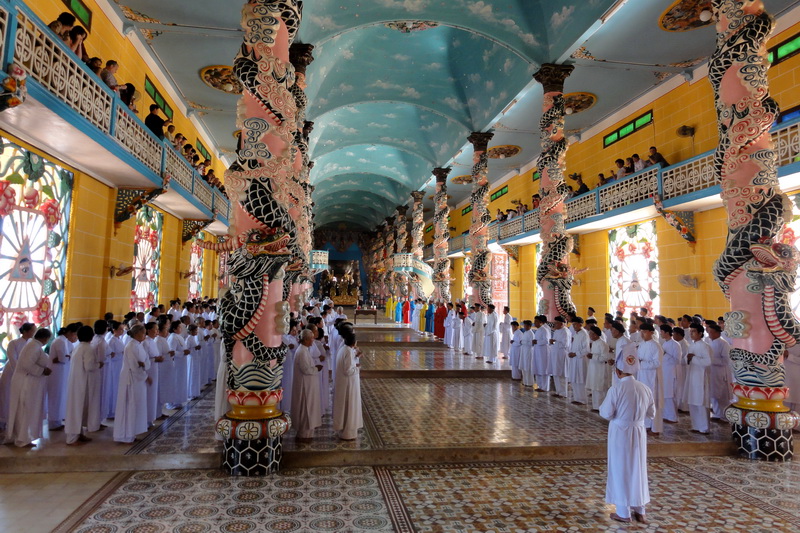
(491, 335)
(669, 373)
(479, 324)
(457, 326)
(682, 370)
(720, 376)
(515, 344)
(195, 362)
(792, 365)
(216, 338)
(13, 350)
(180, 365)
(650, 373)
(131, 414)
(306, 412)
(82, 364)
(414, 317)
(696, 392)
(28, 386)
(526, 353)
(347, 416)
(153, 354)
(60, 354)
(448, 325)
(541, 353)
(319, 352)
(113, 368)
(290, 340)
(576, 370)
(559, 348)
(467, 328)
(620, 341)
(599, 358)
(166, 371)
(94, 400)
(626, 406)
(505, 332)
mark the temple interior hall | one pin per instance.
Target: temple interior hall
(399, 265)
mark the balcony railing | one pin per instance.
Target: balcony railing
(57, 70)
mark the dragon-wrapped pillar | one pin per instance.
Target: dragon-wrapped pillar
(266, 200)
(388, 258)
(417, 237)
(401, 247)
(554, 274)
(441, 236)
(480, 273)
(757, 269)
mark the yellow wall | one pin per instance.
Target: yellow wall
(105, 42)
(458, 285)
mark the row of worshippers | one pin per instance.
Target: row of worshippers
(84, 385)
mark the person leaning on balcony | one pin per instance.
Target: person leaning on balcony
(75, 40)
(656, 158)
(108, 74)
(629, 168)
(170, 133)
(155, 123)
(621, 170)
(95, 64)
(638, 163)
(179, 141)
(62, 25)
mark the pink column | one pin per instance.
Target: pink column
(441, 236)
(480, 273)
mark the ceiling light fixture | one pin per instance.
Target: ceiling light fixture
(705, 15)
(568, 111)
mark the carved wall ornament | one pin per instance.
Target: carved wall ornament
(463, 179)
(579, 101)
(684, 15)
(221, 78)
(130, 200)
(409, 26)
(683, 221)
(191, 227)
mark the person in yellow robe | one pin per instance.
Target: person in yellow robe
(423, 307)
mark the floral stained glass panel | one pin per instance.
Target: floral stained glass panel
(196, 268)
(499, 281)
(633, 261)
(35, 201)
(146, 259)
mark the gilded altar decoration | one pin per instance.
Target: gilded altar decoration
(35, 202)
(757, 270)
(146, 259)
(221, 78)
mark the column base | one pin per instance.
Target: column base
(252, 447)
(769, 444)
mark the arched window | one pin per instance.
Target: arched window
(35, 199)
(633, 262)
(196, 268)
(146, 259)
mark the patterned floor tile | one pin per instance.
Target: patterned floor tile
(316, 499)
(409, 358)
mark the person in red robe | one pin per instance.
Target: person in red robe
(407, 312)
(464, 308)
(438, 321)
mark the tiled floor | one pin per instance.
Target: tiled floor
(410, 358)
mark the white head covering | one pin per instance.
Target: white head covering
(629, 362)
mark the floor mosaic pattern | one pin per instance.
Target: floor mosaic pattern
(410, 358)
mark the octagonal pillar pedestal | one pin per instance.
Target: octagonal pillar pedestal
(252, 431)
(762, 424)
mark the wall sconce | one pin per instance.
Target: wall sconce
(119, 271)
(186, 275)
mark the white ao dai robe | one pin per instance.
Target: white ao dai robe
(514, 354)
(288, 372)
(526, 357)
(669, 372)
(111, 372)
(181, 366)
(166, 375)
(306, 412)
(26, 409)
(558, 358)
(479, 324)
(491, 337)
(82, 365)
(153, 409)
(12, 353)
(696, 390)
(720, 378)
(61, 350)
(598, 379)
(505, 334)
(131, 413)
(347, 417)
(650, 356)
(576, 367)
(195, 371)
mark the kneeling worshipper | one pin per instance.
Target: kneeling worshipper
(28, 385)
(131, 409)
(347, 417)
(626, 406)
(83, 364)
(306, 408)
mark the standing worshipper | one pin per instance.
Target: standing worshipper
(467, 327)
(526, 353)
(438, 321)
(407, 311)
(621, 340)
(319, 351)
(180, 364)
(195, 361)
(15, 347)
(491, 335)
(448, 325)
(82, 365)
(166, 370)
(430, 320)
(28, 386)
(541, 353)
(514, 351)
(306, 413)
(423, 313)
(478, 332)
(60, 354)
(560, 343)
(599, 357)
(682, 370)
(626, 406)
(458, 324)
(696, 390)
(650, 373)
(151, 348)
(415, 315)
(94, 400)
(290, 340)
(398, 311)
(505, 332)
(576, 370)
(720, 374)
(669, 370)
(347, 416)
(116, 347)
(131, 414)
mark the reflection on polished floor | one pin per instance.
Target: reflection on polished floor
(463, 450)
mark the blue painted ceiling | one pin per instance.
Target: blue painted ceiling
(389, 106)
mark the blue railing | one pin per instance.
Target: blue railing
(67, 86)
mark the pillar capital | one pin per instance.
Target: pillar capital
(480, 140)
(552, 76)
(417, 196)
(308, 127)
(389, 221)
(402, 210)
(300, 56)
(441, 174)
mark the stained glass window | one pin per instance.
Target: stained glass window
(35, 199)
(196, 268)
(499, 281)
(633, 258)
(146, 259)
